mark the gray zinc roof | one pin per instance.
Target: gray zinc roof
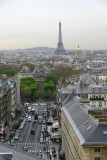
(18, 154)
(84, 125)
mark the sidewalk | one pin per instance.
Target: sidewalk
(51, 148)
(51, 152)
(11, 124)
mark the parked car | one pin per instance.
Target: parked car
(49, 122)
(25, 148)
(44, 121)
(41, 136)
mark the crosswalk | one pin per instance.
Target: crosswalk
(28, 144)
(32, 151)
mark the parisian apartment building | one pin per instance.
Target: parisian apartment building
(83, 130)
(9, 100)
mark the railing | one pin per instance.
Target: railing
(97, 99)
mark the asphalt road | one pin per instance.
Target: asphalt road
(26, 138)
(32, 141)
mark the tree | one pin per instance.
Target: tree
(49, 86)
(28, 85)
(9, 72)
(62, 71)
(50, 77)
(25, 93)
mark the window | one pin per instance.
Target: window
(98, 158)
(93, 90)
(97, 149)
(105, 102)
(100, 104)
(99, 96)
(93, 96)
(105, 96)
(100, 90)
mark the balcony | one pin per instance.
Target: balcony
(97, 99)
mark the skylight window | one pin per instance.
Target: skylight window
(89, 127)
(86, 123)
(104, 132)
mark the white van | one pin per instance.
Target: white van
(29, 119)
(29, 109)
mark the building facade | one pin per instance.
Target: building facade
(83, 134)
(97, 95)
(8, 102)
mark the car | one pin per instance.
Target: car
(40, 121)
(16, 136)
(44, 116)
(41, 136)
(33, 131)
(41, 140)
(12, 134)
(42, 129)
(34, 121)
(44, 121)
(40, 154)
(33, 109)
(26, 116)
(29, 119)
(25, 148)
(18, 132)
(49, 122)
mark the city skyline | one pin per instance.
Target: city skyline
(30, 23)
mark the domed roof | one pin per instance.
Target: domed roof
(78, 48)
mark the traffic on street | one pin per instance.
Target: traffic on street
(34, 133)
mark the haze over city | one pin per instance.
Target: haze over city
(33, 23)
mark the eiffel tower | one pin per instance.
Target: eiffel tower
(60, 48)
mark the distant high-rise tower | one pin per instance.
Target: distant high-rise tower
(60, 48)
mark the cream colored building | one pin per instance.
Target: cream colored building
(25, 72)
(97, 94)
(84, 135)
(7, 102)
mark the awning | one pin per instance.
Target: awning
(55, 125)
(5, 131)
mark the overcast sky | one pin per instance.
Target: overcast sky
(33, 23)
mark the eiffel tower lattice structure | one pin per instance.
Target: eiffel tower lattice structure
(60, 48)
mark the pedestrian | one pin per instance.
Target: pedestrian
(50, 157)
(59, 149)
(54, 150)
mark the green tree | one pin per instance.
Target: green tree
(50, 77)
(9, 72)
(25, 93)
(62, 71)
(28, 85)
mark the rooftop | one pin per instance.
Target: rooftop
(88, 130)
(17, 154)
